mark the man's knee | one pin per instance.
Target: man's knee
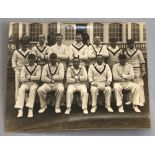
(107, 89)
(135, 86)
(84, 91)
(40, 90)
(117, 87)
(61, 89)
(22, 88)
(34, 88)
(69, 91)
(93, 89)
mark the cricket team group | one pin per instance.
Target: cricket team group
(79, 68)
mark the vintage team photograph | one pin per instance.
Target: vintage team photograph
(79, 75)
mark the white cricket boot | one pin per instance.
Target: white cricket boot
(42, 110)
(121, 109)
(20, 113)
(67, 112)
(85, 111)
(30, 113)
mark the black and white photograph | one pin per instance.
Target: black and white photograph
(80, 75)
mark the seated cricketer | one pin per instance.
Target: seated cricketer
(30, 76)
(123, 75)
(76, 80)
(52, 76)
(100, 77)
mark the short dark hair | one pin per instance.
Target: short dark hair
(130, 41)
(76, 58)
(59, 34)
(77, 34)
(40, 35)
(53, 56)
(97, 36)
(31, 56)
(122, 56)
(24, 40)
(113, 40)
(99, 55)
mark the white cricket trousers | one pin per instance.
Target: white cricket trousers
(17, 81)
(58, 88)
(95, 91)
(32, 88)
(134, 88)
(140, 82)
(80, 88)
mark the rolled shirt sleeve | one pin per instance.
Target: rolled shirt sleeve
(109, 74)
(23, 76)
(116, 76)
(60, 76)
(69, 77)
(44, 77)
(38, 74)
(83, 77)
(90, 73)
(14, 59)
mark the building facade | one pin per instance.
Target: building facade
(106, 30)
(121, 31)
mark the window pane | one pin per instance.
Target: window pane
(135, 34)
(115, 31)
(35, 30)
(69, 32)
(24, 29)
(16, 29)
(52, 27)
(144, 32)
(98, 30)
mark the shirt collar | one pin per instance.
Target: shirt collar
(78, 44)
(113, 48)
(131, 50)
(41, 46)
(96, 65)
(27, 50)
(31, 66)
(55, 65)
(58, 46)
(97, 46)
(124, 65)
(72, 67)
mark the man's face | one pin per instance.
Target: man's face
(113, 44)
(31, 61)
(99, 60)
(41, 39)
(24, 47)
(76, 63)
(97, 40)
(130, 45)
(59, 39)
(122, 62)
(78, 38)
(53, 61)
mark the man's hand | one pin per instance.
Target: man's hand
(107, 84)
(143, 73)
(39, 59)
(94, 84)
(28, 77)
(76, 77)
(52, 81)
(123, 76)
(15, 68)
